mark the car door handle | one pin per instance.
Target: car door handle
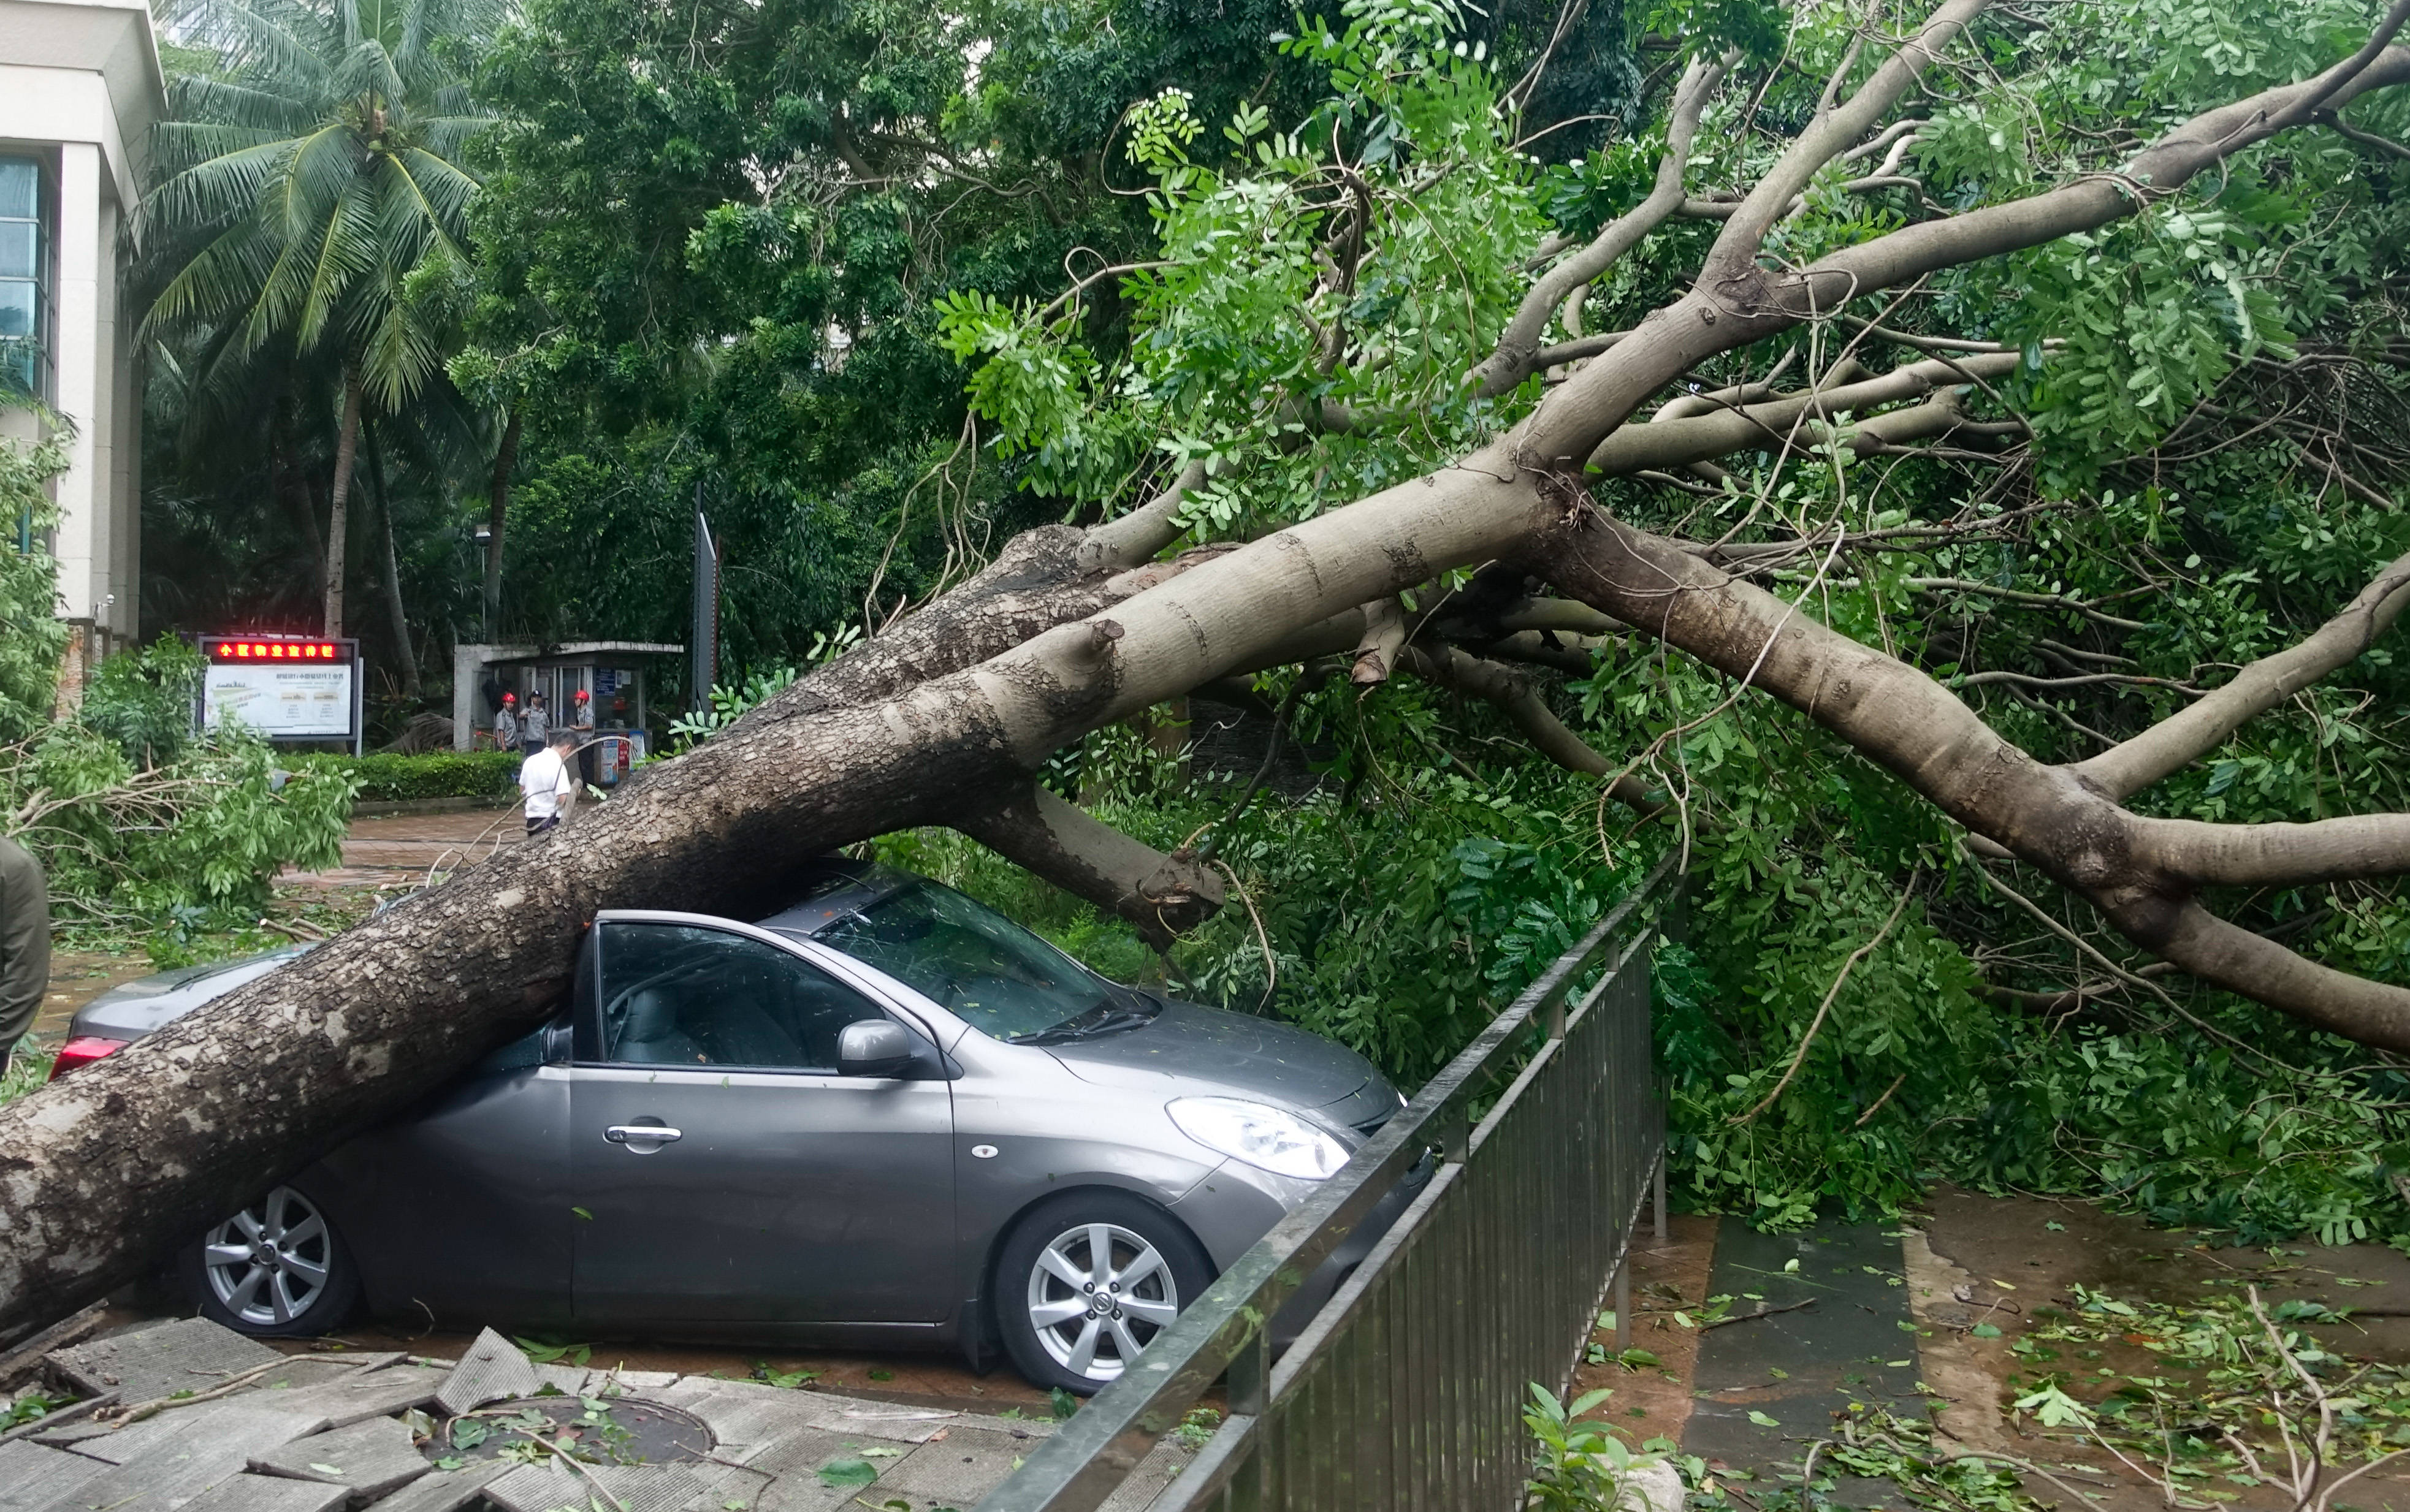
(648, 1133)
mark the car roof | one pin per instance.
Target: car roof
(838, 887)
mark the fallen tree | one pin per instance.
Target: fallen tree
(945, 717)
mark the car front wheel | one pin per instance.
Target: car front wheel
(276, 1269)
(1088, 1280)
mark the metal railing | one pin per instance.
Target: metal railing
(1407, 1388)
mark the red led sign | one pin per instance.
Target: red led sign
(229, 648)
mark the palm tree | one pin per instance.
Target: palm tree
(308, 188)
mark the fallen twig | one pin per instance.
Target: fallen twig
(1761, 1312)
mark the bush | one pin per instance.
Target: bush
(389, 777)
(196, 845)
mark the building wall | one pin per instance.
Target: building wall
(79, 87)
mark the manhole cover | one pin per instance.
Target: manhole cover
(593, 1430)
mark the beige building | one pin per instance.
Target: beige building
(79, 86)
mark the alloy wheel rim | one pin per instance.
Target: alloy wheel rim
(267, 1263)
(1097, 1294)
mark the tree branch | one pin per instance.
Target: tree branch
(1512, 693)
(2126, 769)
(1519, 346)
(1832, 131)
(1144, 532)
(1376, 653)
(1164, 895)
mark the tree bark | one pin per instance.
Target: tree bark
(346, 445)
(395, 613)
(1164, 895)
(498, 510)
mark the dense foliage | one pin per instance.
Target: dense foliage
(807, 265)
(2151, 536)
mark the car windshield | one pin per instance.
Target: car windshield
(988, 970)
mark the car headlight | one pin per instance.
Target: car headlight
(1260, 1134)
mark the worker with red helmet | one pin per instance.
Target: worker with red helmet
(506, 724)
(581, 723)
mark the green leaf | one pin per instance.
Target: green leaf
(852, 1472)
(583, 1213)
(1762, 1420)
(1985, 1330)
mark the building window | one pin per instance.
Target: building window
(26, 315)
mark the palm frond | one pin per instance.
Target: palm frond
(220, 189)
(346, 249)
(277, 106)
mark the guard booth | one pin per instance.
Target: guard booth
(612, 674)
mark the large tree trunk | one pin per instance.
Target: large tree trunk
(944, 719)
(498, 513)
(346, 444)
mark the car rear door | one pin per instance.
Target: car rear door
(777, 1190)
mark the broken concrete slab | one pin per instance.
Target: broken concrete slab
(639, 1488)
(245, 1413)
(265, 1493)
(373, 1458)
(955, 1469)
(33, 1477)
(570, 1379)
(446, 1491)
(190, 1354)
(202, 1446)
(493, 1370)
(379, 1393)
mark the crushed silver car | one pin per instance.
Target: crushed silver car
(885, 1115)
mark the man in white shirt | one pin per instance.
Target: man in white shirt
(543, 777)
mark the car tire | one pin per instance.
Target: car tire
(275, 1270)
(1055, 1330)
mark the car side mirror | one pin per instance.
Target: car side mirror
(874, 1047)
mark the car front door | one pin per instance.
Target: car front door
(776, 1189)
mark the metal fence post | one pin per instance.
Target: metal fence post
(1657, 1196)
(1623, 1303)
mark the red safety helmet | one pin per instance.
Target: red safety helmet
(583, 694)
(510, 698)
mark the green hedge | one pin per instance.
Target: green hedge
(388, 777)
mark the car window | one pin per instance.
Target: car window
(972, 961)
(678, 994)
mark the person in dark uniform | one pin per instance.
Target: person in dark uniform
(25, 945)
(536, 726)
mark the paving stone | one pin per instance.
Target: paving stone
(208, 1444)
(570, 1379)
(377, 1393)
(189, 1354)
(738, 1419)
(957, 1469)
(66, 1435)
(493, 1370)
(175, 1424)
(268, 1493)
(1147, 1482)
(311, 1370)
(32, 1475)
(639, 1487)
(373, 1458)
(633, 1382)
(798, 1451)
(723, 1484)
(819, 1409)
(446, 1491)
